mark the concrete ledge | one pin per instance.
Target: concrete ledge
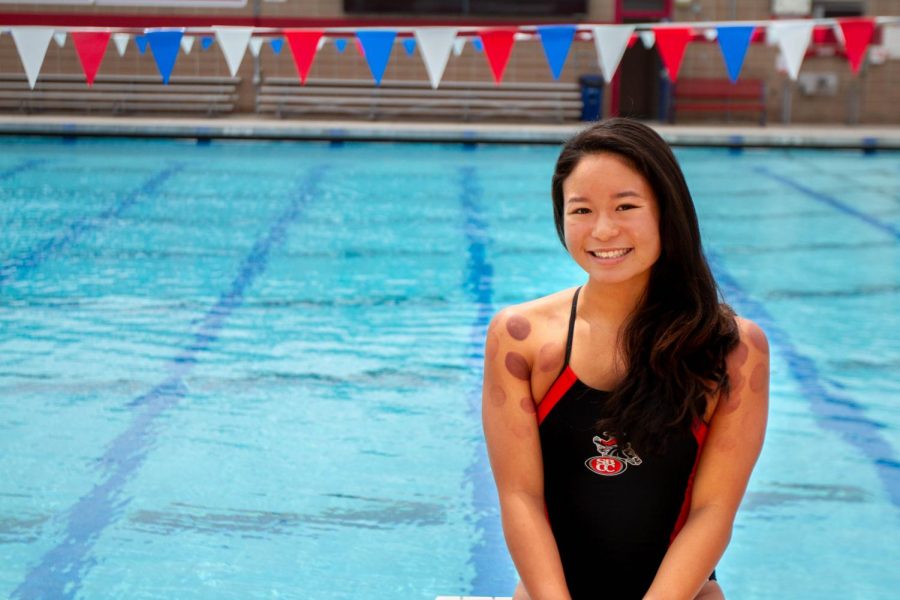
(797, 136)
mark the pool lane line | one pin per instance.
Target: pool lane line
(60, 572)
(487, 554)
(27, 260)
(830, 201)
(834, 412)
(23, 166)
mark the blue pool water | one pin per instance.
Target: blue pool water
(251, 370)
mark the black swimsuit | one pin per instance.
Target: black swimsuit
(613, 512)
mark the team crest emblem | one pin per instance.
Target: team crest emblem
(611, 460)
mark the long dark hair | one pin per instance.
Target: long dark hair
(676, 340)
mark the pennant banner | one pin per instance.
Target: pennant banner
(32, 44)
(90, 46)
(256, 45)
(857, 35)
(793, 39)
(610, 42)
(556, 40)
(671, 43)
(458, 45)
(187, 44)
(304, 43)
(435, 44)
(121, 42)
(233, 41)
(733, 42)
(376, 46)
(164, 46)
(498, 45)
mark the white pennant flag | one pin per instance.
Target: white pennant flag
(321, 43)
(233, 41)
(187, 44)
(435, 44)
(60, 38)
(610, 42)
(648, 38)
(255, 45)
(32, 44)
(793, 40)
(458, 45)
(121, 42)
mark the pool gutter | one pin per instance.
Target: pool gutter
(245, 128)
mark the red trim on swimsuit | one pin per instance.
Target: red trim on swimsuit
(559, 388)
(699, 429)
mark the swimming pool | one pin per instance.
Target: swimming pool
(252, 369)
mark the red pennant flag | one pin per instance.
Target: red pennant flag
(498, 45)
(857, 35)
(304, 43)
(632, 40)
(671, 42)
(90, 46)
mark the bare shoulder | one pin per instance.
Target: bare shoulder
(529, 323)
(753, 342)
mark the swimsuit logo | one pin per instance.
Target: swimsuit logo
(612, 460)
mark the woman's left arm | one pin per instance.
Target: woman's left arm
(732, 446)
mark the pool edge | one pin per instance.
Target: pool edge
(778, 136)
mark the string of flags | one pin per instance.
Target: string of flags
(435, 44)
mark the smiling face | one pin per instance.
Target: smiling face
(611, 220)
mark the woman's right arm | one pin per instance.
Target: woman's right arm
(513, 443)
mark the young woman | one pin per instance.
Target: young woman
(623, 417)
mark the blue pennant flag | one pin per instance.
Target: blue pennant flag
(556, 39)
(476, 43)
(164, 45)
(409, 44)
(377, 47)
(141, 42)
(277, 44)
(206, 42)
(340, 44)
(734, 41)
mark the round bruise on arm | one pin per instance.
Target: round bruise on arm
(497, 395)
(518, 327)
(492, 346)
(517, 366)
(740, 354)
(759, 382)
(736, 379)
(758, 339)
(550, 357)
(527, 405)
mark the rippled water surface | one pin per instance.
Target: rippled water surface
(247, 370)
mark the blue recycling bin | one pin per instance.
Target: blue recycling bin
(591, 97)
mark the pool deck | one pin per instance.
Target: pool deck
(869, 137)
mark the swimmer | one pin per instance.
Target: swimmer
(623, 417)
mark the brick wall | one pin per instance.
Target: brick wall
(872, 97)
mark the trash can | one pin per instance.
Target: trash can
(591, 96)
